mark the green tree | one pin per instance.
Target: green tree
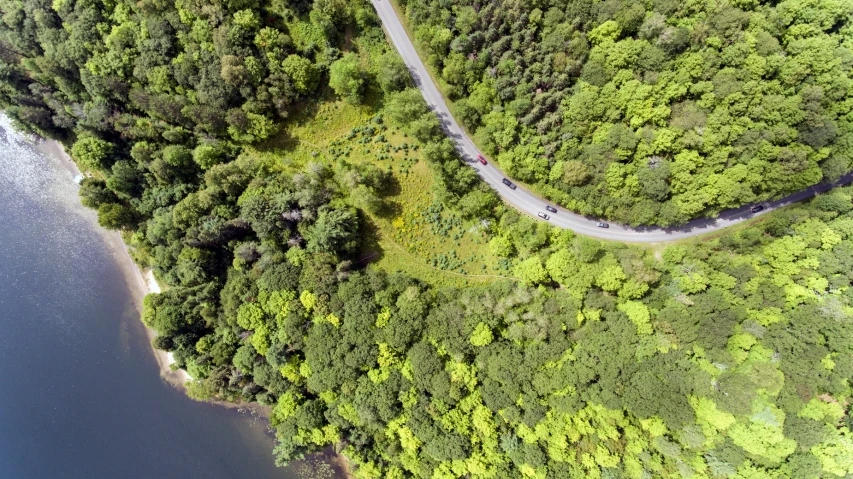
(575, 173)
(346, 77)
(501, 246)
(531, 271)
(94, 193)
(92, 153)
(207, 155)
(332, 231)
(303, 74)
(392, 74)
(116, 216)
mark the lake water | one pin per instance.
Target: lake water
(81, 395)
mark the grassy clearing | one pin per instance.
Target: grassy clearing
(422, 237)
(414, 235)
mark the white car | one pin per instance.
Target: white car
(543, 216)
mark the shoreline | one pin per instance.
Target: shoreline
(144, 281)
(141, 283)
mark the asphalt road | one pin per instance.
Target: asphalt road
(524, 200)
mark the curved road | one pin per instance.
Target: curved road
(527, 202)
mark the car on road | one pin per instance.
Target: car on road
(602, 225)
(551, 208)
(482, 160)
(757, 208)
(543, 216)
(509, 183)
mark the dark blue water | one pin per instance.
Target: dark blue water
(80, 392)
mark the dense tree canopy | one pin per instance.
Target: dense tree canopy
(725, 358)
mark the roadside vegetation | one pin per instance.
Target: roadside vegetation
(327, 254)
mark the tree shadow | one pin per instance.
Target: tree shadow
(300, 113)
(373, 97)
(369, 250)
(281, 142)
(390, 209)
(391, 189)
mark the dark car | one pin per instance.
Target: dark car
(509, 183)
(543, 216)
(757, 208)
(602, 225)
(551, 208)
(482, 160)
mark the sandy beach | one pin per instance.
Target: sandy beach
(139, 282)
(177, 377)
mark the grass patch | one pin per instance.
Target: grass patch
(414, 235)
(427, 241)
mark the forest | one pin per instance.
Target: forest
(650, 112)
(723, 357)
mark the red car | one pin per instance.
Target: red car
(482, 160)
